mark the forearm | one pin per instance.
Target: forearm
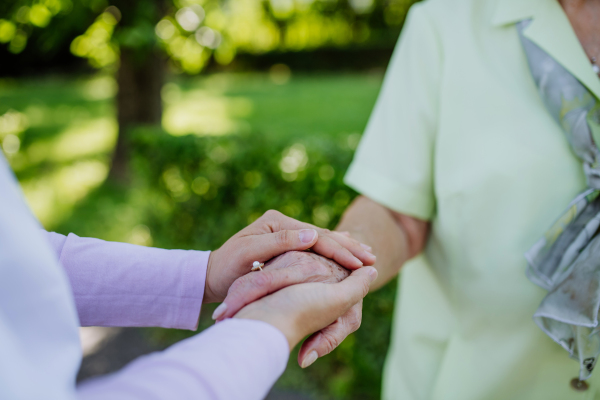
(395, 238)
(119, 284)
(235, 359)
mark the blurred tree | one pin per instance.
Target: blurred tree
(123, 36)
(137, 39)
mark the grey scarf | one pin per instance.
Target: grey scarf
(566, 261)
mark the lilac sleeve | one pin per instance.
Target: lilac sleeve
(120, 284)
(235, 359)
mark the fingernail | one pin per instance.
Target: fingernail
(309, 359)
(373, 274)
(366, 247)
(219, 311)
(307, 235)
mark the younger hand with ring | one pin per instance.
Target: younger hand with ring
(269, 236)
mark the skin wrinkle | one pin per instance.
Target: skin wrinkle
(365, 219)
(316, 306)
(289, 268)
(299, 266)
(273, 234)
(327, 271)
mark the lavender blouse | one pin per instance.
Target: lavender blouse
(51, 284)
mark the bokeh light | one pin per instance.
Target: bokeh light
(96, 43)
(231, 144)
(190, 18)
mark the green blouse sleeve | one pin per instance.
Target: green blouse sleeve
(394, 161)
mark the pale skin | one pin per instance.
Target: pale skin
(292, 269)
(300, 310)
(273, 234)
(394, 237)
(333, 310)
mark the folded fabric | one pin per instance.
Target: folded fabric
(566, 261)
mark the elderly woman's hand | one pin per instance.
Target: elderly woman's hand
(300, 310)
(290, 269)
(269, 236)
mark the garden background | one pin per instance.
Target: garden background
(176, 123)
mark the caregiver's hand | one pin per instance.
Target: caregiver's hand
(290, 269)
(300, 310)
(269, 236)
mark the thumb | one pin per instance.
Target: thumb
(337, 298)
(266, 246)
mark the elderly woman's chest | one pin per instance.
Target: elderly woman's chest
(496, 136)
(504, 170)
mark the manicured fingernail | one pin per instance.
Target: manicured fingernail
(372, 274)
(219, 311)
(309, 359)
(307, 235)
(366, 247)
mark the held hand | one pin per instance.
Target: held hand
(269, 236)
(290, 269)
(300, 310)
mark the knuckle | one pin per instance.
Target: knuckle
(262, 280)
(317, 270)
(313, 268)
(236, 286)
(284, 238)
(306, 257)
(285, 260)
(355, 243)
(272, 214)
(331, 342)
(301, 258)
(336, 273)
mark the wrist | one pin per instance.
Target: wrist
(287, 328)
(209, 294)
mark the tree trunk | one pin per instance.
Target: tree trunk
(140, 80)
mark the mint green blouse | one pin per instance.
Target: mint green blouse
(460, 136)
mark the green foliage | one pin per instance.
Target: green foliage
(191, 31)
(201, 178)
(194, 191)
(206, 189)
(19, 18)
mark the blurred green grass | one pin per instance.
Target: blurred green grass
(231, 147)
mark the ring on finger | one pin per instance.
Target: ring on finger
(257, 265)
